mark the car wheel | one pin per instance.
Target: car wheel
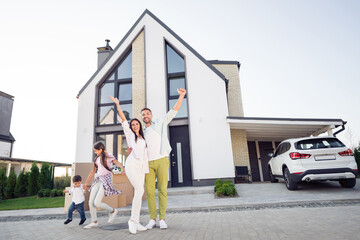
(291, 185)
(272, 178)
(348, 183)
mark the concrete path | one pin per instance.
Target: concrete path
(251, 196)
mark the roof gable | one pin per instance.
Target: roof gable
(217, 72)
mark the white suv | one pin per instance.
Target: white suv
(313, 159)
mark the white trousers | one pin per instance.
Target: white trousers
(96, 195)
(137, 179)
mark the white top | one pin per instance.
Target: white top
(153, 140)
(139, 150)
(78, 194)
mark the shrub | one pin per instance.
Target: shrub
(53, 192)
(46, 192)
(33, 187)
(22, 184)
(3, 180)
(225, 188)
(10, 185)
(40, 193)
(62, 182)
(59, 192)
(45, 176)
(357, 156)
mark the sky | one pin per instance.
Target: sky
(299, 59)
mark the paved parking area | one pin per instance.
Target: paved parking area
(338, 222)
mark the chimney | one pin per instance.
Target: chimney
(104, 52)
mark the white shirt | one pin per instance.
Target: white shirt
(78, 194)
(153, 140)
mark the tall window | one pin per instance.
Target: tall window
(176, 79)
(119, 84)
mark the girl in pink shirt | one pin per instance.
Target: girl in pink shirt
(102, 185)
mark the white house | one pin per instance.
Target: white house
(210, 136)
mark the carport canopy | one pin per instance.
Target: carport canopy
(279, 129)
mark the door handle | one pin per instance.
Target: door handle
(173, 164)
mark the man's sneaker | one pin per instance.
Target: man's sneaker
(67, 221)
(92, 225)
(151, 224)
(132, 227)
(140, 227)
(112, 216)
(82, 221)
(163, 224)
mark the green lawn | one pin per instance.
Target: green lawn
(32, 202)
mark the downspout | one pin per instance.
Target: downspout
(342, 128)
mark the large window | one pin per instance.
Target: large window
(176, 79)
(118, 84)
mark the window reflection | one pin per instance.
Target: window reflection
(125, 68)
(183, 112)
(122, 148)
(106, 90)
(176, 83)
(175, 63)
(125, 92)
(108, 141)
(127, 110)
(106, 115)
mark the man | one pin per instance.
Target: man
(156, 136)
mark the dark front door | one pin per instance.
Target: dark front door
(180, 162)
(255, 174)
(265, 148)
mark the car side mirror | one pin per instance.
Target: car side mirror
(271, 154)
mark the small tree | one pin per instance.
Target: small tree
(45, 176)
(33, 187)
(22, 184)
(3, 180)
(10, 185)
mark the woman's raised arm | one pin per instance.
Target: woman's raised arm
(116, 101)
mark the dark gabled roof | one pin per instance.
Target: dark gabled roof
(9, 138)
(224, 62)
(171, 32)
(6, 95)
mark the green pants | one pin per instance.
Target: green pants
(158, 169)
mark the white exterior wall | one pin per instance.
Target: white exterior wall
(210, 139)
(5, 148)
(207, 104)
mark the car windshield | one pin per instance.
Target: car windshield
(318, 143)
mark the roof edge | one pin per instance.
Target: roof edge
(289, 119)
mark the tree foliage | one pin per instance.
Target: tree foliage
(45, 176)
(34, 186)
(3, 180)
(22, 184)
(10, 185)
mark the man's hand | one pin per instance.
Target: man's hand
(182, 91)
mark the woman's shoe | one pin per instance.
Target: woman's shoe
(132, 227)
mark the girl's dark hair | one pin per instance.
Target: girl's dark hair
(98, 146)
(140, 131)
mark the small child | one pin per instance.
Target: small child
(78, 200)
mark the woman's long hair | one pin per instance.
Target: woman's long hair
(98, 146)
(140, 131)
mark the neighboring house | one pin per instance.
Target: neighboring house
(210, 136)
(7, 141)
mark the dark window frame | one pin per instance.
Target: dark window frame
(175, 75)
(116, 84)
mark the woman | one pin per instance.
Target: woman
(102, 185)
(136, 165)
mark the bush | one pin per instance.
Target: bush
(40, 193)
(59, 192)
(45, 176)
(46, 192)
(224, 188)
(10, 185)
(33, 187)
(62, 182)
(3, 180)
(53, 192)
(22, 184)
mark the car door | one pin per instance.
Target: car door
(276, 164)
